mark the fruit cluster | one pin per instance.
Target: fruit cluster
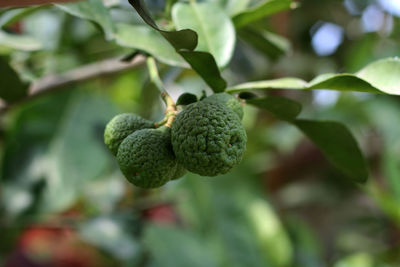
(206, 137)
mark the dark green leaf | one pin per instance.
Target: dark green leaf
(247, 95)
(268, 43)
(11, 87)
(204, 64)
(93, 10)
(333, 138)
(382, 76)
(266, 8)
(186, 99)
(338, 145)
(281, 107)
(342, 82)
(203, 18)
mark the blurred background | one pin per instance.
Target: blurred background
(64, 201)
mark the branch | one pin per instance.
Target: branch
(21, 3)
(54, 82)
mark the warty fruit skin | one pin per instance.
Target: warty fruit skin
(146, 158)
(208, 138)
(121, 126)
(228, 100)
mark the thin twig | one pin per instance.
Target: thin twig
(53, 82)
(170, 112)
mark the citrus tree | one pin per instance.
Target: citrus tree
(290, 105)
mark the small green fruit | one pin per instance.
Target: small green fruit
(146, 158)
(227, 100)
(121, 126)
(208, 138)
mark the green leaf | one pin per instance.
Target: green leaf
(359, 259)
(266, 8)
(281, 83)
(268, 43)
(281, 107)
(149, 40)
(270, 233)
(77, 156)
(382, 76)
(233, 7)
(247, 95)
(338, 145)
(204, 64)
(93, 10)
(184, 248)
(389, 109)
(215, 30)
(186, 99)
(333, 138)
(19, 42)
(13, 15)
(184, 41)
(11, 87)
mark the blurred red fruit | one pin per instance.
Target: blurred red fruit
(45, 246)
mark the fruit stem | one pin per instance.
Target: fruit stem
(170, 111)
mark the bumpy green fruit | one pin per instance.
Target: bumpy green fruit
(227, 100)
(146, 157)
(208, 138)
(121, 126)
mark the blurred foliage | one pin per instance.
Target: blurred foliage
(64, 201)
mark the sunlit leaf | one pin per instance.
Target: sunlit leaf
(382, 76)
(19, 42)
(282, 83)
(270, 233)
(233, 7)
(93, 10)
(360, 259)
(13, 15)
(149, 40)
(215, 30)
(264, 9)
